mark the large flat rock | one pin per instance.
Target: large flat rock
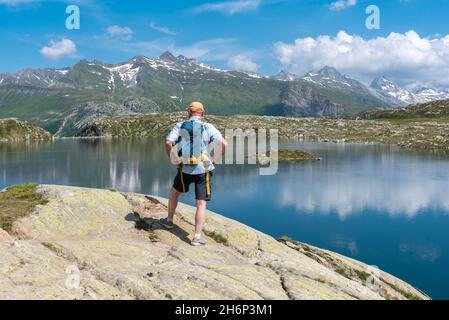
(118, 250)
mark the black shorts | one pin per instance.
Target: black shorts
(203, 190)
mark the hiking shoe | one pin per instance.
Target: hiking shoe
(166, 224)
(198, 242)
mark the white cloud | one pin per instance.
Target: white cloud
(165, 30)
(59, 49)
(342, 4)
(125, 33)
(243, 62)
(230, 7)
(406, 58)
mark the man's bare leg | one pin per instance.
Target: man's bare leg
(200, 217)
(173, 203)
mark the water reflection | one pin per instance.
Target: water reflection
(425, 252)
(396, 183)
(120, 164)
(350, 180)
(346, 243)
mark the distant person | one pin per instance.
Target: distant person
(192, 138)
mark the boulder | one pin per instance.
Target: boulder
(101, 244)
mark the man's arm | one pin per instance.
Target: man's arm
(171, 140)
(224, 145)
(217, 138)
(168, 147)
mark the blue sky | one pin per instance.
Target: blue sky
(255, 35)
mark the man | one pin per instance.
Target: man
(192, 137)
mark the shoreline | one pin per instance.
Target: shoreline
(413, 134)
(284, 141)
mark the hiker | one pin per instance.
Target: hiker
(192, 138)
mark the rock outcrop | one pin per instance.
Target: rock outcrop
(14, 130)
(101, 244)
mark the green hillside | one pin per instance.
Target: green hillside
(13, 130)
(67, 99)
(429, 110)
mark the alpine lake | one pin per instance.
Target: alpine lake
(383, 205)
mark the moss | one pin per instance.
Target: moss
(306, 248)
(50, 246)
(219, 238)
(342, 271)
(387, 296)
(406, 294)
(321, 280)
(17, 202)
(153, 237)
(286, 239)
(362, 275)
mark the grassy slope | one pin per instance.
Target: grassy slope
(16, 130)
(17, 202)
(42, 107)
(429, 110)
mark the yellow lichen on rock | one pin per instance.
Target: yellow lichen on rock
(105, 235)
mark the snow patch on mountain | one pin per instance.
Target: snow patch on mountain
(180, 64)
(430, 94)
(127, 73)
(393, 92)
(285, 76)
(329, 77)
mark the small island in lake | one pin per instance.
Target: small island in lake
(284, 156)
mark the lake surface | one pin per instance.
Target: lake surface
(382, 205)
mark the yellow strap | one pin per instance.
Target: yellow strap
(182, 179)
(193, 160)
(207, 182)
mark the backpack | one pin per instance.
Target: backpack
(190, 149)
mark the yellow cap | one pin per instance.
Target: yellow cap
(196, 107)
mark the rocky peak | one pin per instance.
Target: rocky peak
(330, 72)
(25, 72)
(184, 59)
(284, 75)
(430, 94)
(394, 93)
(382, 82)
(168, 57)
(138, 59)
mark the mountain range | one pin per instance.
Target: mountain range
(402, 97)
(62, 101)
(384, 89)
